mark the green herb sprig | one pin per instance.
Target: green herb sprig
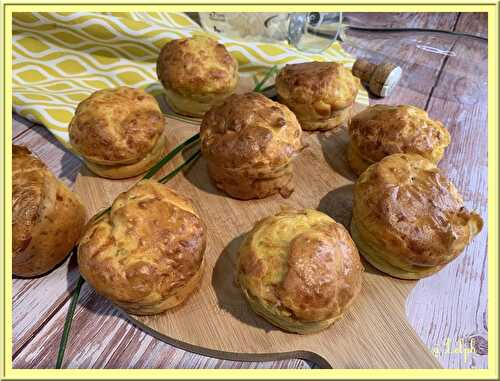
(272, 71)
(168, 177)
(69, 318)
(193, 139)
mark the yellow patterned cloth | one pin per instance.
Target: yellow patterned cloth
(59, 59)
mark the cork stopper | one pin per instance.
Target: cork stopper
(380, 79)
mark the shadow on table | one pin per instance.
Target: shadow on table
(334, 147)
(70, 163)
(338, 205)
(229, 295)
(197, 175)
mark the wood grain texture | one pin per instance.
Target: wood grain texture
(102, 338)
(435, 20)
(412, 52)
(19, 125)
(457, 296)
(217, 320)
(450, 306)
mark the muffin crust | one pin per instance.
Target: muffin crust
(118, 127)
(300, 270)
(408, 219)
(249, 143)
(47, 218)
(196, 73)
(382, 130)
(146, 254)
(321, 94)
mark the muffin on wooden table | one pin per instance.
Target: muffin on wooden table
(409, 220)
(321, 94)
(146, 254)
(300, 270)
(382, 130)
(119, 132)
(47, 217)
(249, 143)
(196, 73)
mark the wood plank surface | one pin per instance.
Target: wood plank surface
(19, 125)
(459, 100)
(411, 52)
(102, 338)
(451, 306)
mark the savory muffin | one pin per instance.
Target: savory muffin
(196, 73)
(146, 254)
(409, 220)
(119, 132)
(300, 270)
(47, 218)
(321, 94)
(249, 142)
(383, 130)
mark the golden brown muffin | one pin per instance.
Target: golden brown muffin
(409, 220)
(321, 94)
(119, 132)
(197, 73)
(47, 218)
(300, 270)
(146, 254)
(381, 130)
(249, 142)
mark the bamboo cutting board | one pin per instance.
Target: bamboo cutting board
(216, 320)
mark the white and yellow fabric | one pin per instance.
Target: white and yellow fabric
(61, 58)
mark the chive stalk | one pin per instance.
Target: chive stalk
(69, 320)
(269, 74)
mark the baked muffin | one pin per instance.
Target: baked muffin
(119, 132)
(409, 220)
(196, 73)
(381, 130)
(300, 270)
(249, 142)
(146, 254)
(47, 218)
(321, 94)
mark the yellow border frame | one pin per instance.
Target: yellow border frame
(263, 5)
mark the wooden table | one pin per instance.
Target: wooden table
(444, 309)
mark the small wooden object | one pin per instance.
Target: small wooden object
(380, 79)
